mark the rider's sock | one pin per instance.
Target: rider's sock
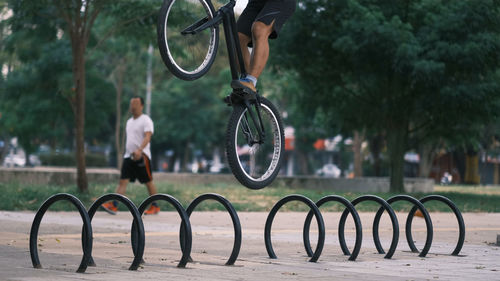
(253, 79)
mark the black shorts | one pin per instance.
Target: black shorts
(265, 11)
(140, 170)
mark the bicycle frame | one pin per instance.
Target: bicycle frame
(226, 15)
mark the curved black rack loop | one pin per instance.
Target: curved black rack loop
(234, 217)
(185, 222)
(394, 221)
(357, 223)
(428, 223)
(137, 221)
(453, 207)
(87, 229)
(317, 214)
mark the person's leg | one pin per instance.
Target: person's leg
(260, 53)
(153, 209)
(122, 186)
(244, 27)
(112, 206)
(267, 24)
(244, 41)
(151, 188)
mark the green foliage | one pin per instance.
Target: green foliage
(39, 91)
(190, 113)
(405, 69)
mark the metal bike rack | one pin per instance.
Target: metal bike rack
(394, 221)
(139, 251)
(314, 210)
(357, 223)
(87, 229)
(185, 234)
(428, 223)
(453, 207)
(186, 252)
(234, 217)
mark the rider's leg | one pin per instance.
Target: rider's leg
(244, 40)
(260, 53)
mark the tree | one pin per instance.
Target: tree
(38, 61)
(190, 114)
(36, 92)
(399, 68)
(76, 19)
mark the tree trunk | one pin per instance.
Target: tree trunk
(495, 174)
(27, 159)
(358, 159)
(427, 152)
(303, 162)
(396, 142)
(185, 161)
(375, 144)
(472, 168)
(5, 149)
(79, 16)
(459, 161)
(119, 73)
(79, 112)
(149, 80)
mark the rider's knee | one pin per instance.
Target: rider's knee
(261, 31)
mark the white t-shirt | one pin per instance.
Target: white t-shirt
(136, 129)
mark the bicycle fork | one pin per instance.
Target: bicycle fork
(251, 101)
(258, 123)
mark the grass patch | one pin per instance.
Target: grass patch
(19, 197)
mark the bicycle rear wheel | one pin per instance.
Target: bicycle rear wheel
(187, 56)
(255, 160)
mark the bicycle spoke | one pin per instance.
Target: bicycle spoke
(255, 152)
(188, 52)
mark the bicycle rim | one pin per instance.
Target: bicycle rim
(189, 54)
(258, 161)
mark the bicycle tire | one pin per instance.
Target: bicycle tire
(167, 47)
(234, 161)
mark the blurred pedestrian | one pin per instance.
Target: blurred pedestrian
(137, 158)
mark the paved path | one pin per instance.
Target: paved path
(213, 238)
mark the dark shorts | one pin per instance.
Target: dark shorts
(140, 170)
(265, 11)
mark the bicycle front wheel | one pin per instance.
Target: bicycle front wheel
(188, 56)
(255, 158)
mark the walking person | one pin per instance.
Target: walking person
(137, 158)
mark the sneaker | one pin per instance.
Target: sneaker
(243, 84)
(418, 213)
(153, 210)
(110, 208)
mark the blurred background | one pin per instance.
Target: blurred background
(365, 88)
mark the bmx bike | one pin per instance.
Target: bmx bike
(188, 39)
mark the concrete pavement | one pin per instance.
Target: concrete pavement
(59, 242)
